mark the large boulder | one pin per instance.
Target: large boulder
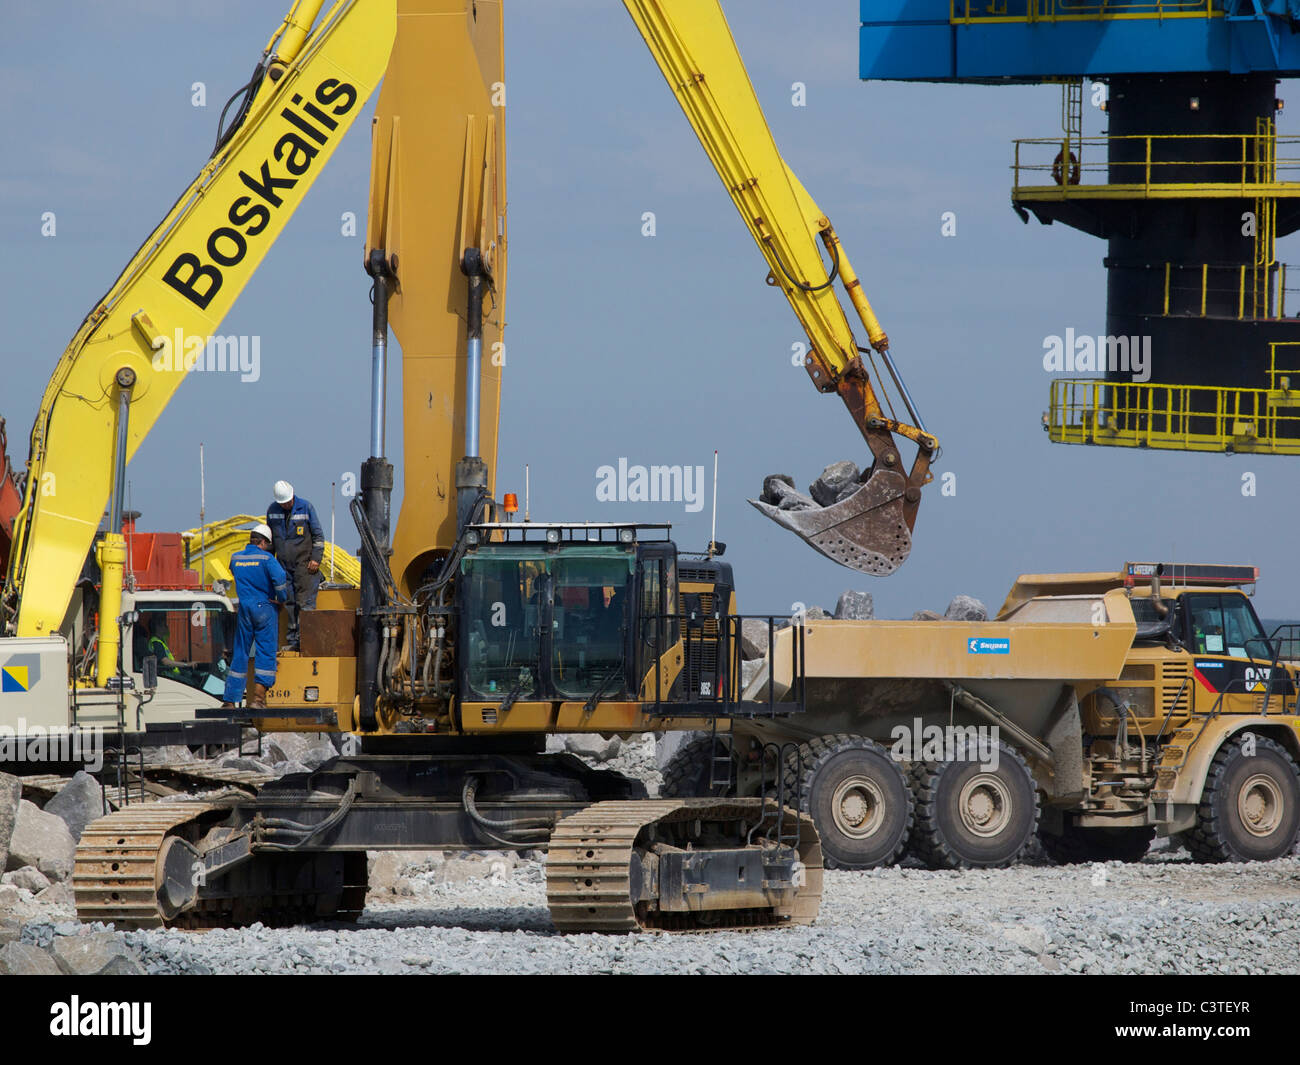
(966, 608)
(79, 801)
(668, 744)
(29, 878)
(786, 496)
(311, 749)
(243, 763)
(927, 615)
(57, 899)
(42, 840)
(838, 481)
(592, 746)
(753, 638)
(11, 793)
(23, 959)
(775, 486)
(168, 755)
(95, 954)
(855, 606)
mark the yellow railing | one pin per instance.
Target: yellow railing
(1233, 165)
(1259, 292)
(967, 11)
(209, 549)
(1175, 417)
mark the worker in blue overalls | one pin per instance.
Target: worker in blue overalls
(299, 546)
(260, 583)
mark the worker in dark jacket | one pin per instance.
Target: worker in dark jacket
(299, 546)
(260, 583)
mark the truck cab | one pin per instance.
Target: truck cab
(187, 633)
(1234, 664)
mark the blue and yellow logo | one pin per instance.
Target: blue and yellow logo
(13, 679)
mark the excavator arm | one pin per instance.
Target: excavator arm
(693, 46)
(133, 350)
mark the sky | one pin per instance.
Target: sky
(655, 349)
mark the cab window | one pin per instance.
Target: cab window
(1223, 625)
(506, 603)
(190, 643)
(589, 623)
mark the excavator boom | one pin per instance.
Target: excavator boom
(692, 44)
(122, 366)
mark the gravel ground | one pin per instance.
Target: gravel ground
(480, 915)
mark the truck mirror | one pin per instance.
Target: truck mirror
(150, 670)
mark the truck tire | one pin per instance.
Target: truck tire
(857, 796)
(1250, 807)
(1080, 846)
(970, 818)
(687, 774)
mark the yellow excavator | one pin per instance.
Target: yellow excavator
(473, 636)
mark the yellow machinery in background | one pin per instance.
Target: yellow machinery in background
(119, 371)
(208, 550)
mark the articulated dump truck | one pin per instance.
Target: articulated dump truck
(1097, 710)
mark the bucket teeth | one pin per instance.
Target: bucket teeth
(866, 532)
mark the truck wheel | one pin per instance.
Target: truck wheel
(687, 774)
(1250, 808)
(1079, 846)
(857, 797)
(971, 818)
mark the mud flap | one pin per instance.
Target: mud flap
(866, 532)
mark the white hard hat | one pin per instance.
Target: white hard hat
(283, 492)
(264, 531)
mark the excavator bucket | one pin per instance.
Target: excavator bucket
(866, 532)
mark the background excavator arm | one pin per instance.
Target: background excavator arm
(122, 367)
(693, 46)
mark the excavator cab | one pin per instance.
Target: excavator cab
(591, 613)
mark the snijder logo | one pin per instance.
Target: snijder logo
(198, 280)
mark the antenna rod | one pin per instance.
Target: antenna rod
(203, 507)
(331, 532)
(713, 536)
(526, 490)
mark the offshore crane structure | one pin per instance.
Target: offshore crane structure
(1190, 187)
(471, 638)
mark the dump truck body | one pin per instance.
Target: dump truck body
(1131, 711)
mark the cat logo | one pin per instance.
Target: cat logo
(1257, 678)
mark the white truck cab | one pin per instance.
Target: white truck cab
(189, 635)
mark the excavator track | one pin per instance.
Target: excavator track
(588, 869)
(116, 875)
(122, 860)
